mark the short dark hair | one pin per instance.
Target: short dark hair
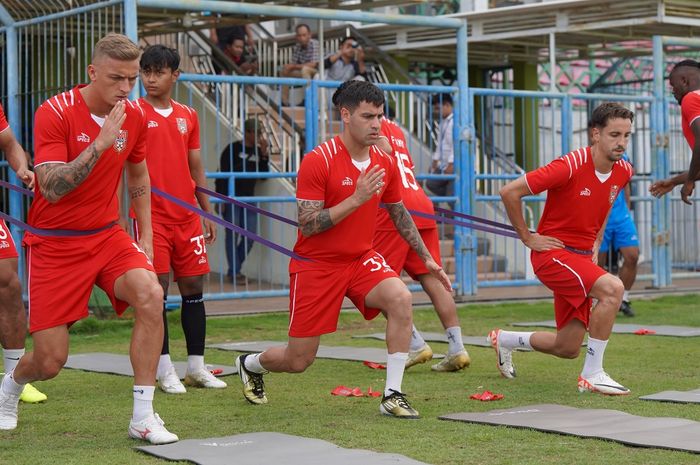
(686, 64)
(607, 111)
(300, 25)
(346, 38)
(157, 57)
(351, 93)
(442, 98)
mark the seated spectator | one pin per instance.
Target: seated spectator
(248, 155)
(222, 35)
(305, 56)
(347, 63)
(236, 51)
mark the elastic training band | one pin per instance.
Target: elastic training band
(248, 206)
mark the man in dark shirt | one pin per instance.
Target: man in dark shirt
(248, 155)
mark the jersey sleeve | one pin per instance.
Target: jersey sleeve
(194, 142)
(549, 176)
(49, 137)
(690, 107)
(312, 177)
(392, 193)
(138, 153)
(3, 120)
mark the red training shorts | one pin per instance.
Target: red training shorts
(316, 295)
(570, 276)
(180, 246)
(7, 243)
(400, 256)
(62, 272)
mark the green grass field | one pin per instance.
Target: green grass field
(86, 417)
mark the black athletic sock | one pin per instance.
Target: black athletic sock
(194, 323)
(166, 339)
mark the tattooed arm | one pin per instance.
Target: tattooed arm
(314, 219)
(57, 180)
(407, 228)
(140, 194)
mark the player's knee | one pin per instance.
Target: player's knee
(300, 364)
(9, 282)
(569, 352)
(149, 296)
(632, 257)
(50, 366)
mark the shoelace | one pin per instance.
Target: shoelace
(400, 399)
(258, 384)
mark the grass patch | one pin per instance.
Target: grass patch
(87, 414)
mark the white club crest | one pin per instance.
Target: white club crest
(182, 125)
(120, 142)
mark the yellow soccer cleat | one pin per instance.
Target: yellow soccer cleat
(396, 405)
(453, 362)
(31, 395)
(421, 355)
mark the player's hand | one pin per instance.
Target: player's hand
(369, 183)
(540, 243)
(437, 271)
(147, 247)
(687, 191)
(27, 177)
(659, 188)
(209, 231)
(110, 130)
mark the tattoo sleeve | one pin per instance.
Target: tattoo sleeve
(313, 218)
(59, 179)
(407, 228)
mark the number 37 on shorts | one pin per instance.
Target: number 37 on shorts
(377, 263)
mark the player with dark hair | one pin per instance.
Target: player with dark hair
(339, 188)
(581, 187)
(685, 83)
(175, 166)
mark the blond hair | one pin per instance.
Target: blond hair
(116, 46)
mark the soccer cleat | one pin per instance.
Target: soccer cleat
(453, 362)
(253, 384)
(204, 379)
(170, 382)
(626, 308)
(602, 383)
(396, 405)
(421, 355)
(504, 356)
(8, 411)
(31, 395)
(151, 429)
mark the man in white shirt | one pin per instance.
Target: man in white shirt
(443, 157)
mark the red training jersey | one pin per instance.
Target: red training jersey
(328, 174)
(63, 129)
(3, 121)
(411, 192)
(577, 199)
(169, 140)
(690, 111)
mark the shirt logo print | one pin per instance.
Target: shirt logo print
(82, 137)
(181, 125)
(586, 192)
(347, 181)
(120, 142)
(152, 124)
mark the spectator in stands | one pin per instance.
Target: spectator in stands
(222, 35)
(443, 157)
(305, 57)
(246, 62)
(248, 155)
(347, 63)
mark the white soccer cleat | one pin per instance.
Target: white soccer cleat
(602, 383)
(170, 382)
(204, 379)
(504, 357)
(151, 429)
(8, 411)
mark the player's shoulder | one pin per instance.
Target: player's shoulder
(135, 107)
(60, 105)
(625, 166)
(575, 160)
(183, 109)
(691, 98)
(381, 155)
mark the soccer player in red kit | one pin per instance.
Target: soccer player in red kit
(685, 83)
(13, 318)
(399, 255)
(581, 188)
(340, 185)
(175, 166)
(84, 138)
